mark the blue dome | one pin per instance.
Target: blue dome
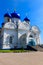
(15, 15)
(7, 15)
(26, 19)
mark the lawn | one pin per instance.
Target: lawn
(13, 51)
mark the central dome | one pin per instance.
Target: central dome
(15, 15)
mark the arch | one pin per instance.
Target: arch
(10, 25)
(22, 41)
(9, 39)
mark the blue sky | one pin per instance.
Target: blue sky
(33, 8)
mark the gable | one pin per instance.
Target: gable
(10, 25)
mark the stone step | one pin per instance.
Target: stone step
(38, 47)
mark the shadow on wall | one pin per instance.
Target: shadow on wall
(1, 45)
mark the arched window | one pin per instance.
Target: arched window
(31, 36)
(17, 24)
(10, 40)
(8, 19)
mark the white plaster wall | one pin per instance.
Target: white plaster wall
(20, 33)
(15, 20)
(9, 32)
(37, 40)
(2, 33)
(27, 25)
(10, 25)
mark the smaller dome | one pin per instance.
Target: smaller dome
(26, 19)
(15, 15)
(7, 15)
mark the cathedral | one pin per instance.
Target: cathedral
(15, 33)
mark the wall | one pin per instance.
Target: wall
(7, 33)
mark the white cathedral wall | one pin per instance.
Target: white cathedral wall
(20, 33)
(37, 40)
(27, 25)
(16, 20)
(2, 33)
(7, 33)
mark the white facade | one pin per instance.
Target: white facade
(18, 34)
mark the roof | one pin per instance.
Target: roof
(15, 15)
(7, 15)
(26, 19)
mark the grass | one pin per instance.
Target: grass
(6, 51)
(13, 51)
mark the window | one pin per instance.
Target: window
(31, 36)
(17, 24)
(8, 20)
(10, 40)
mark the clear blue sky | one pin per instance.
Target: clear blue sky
(33, 8)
